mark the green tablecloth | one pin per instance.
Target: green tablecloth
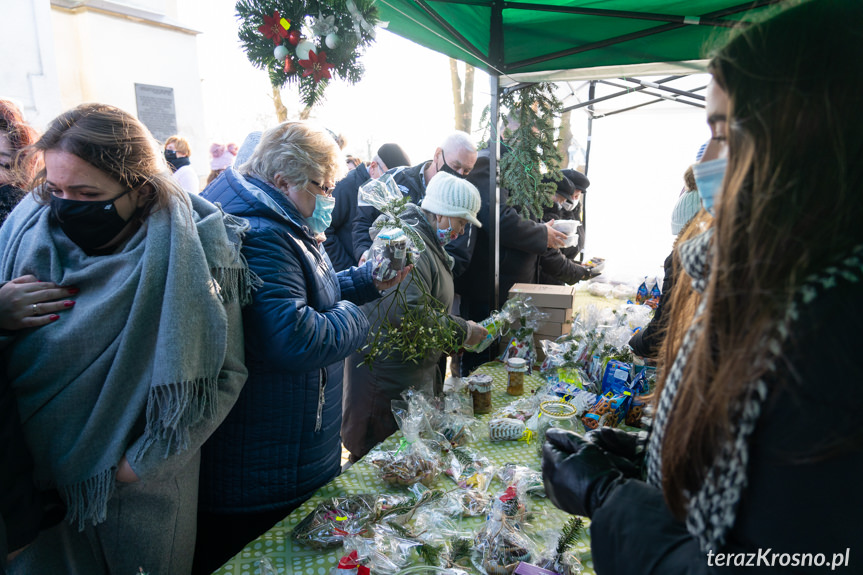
(288, 556)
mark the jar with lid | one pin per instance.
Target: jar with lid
(480, 391)
(516, 367)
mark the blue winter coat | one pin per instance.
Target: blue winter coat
(281, 442)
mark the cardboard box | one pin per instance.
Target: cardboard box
(557, 314)
(553, 329)
(562, 297)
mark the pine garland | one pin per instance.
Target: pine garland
(569, 535)
(532, 147)
(354, 32)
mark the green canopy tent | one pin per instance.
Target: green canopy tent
(518, 41)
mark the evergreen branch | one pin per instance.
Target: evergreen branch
(569, 535)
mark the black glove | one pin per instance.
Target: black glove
(624, 449)
(578, 475)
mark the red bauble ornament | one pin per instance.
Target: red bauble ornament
(294, 37)
(290, 68)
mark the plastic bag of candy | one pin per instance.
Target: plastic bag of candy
(331, 521)
(389, 253)
(414, 460)
(500, 546)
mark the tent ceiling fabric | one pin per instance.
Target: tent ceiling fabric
(571, 39)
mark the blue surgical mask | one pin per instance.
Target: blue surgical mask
(322, 217)
(708, 178)
(445, 236)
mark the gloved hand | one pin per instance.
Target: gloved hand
(624, 449)
(578, 475)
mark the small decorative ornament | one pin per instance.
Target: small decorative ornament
(303, 49)
(294, 37)
(332, 40)
(273, 28)
(290, 68)
(324, 25)
(280, 53)
(317, 66)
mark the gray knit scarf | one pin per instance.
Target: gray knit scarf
(136, 361)
(712, 510)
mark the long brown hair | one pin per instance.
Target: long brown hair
(790, 204)
(115, 142)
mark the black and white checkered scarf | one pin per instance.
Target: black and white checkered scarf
(713, 508)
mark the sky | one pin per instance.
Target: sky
(637, 158)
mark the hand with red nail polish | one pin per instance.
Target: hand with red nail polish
(26, 302)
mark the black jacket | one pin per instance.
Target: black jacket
(801, 495)
(411, 181)
(20, 506)
(522, 241)
(647, 341)
(556, 266)
(340, 242)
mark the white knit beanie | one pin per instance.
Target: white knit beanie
(448, 195)
(688, 204)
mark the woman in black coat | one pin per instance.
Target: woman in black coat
(755, 453)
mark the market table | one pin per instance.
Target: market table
(289, 556)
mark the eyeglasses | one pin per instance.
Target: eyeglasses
(327, 191)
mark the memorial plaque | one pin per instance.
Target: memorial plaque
(156, 110)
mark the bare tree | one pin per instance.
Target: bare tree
(564, 138)
(462, 95)
(281, 110)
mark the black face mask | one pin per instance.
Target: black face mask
(89, 224)
(446, 168)
(175, 162)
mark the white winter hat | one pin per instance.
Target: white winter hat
(448, 195)
(688, 204)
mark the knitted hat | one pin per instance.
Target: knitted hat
(578, 179)
(221, 158)
(564, 186)
(248, 148)
(448, 195)
(393, 156)
(688, 204)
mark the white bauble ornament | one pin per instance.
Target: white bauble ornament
(332, 40)
(280, 52)
(303, 49)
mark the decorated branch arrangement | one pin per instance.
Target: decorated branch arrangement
(531, 146)
(307, 42)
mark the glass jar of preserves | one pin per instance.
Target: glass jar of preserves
(516, 367)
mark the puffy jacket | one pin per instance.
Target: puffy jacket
(411, 181)
(281, 440)
(340, 242)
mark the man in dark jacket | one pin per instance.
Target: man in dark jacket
(556, 266)
(522, 241)
(456, 156)
(339, 242)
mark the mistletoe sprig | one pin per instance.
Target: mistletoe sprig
(337, 32)
(424, 328)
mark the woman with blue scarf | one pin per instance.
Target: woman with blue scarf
(281, 442)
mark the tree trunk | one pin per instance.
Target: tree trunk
(281, 110)
(462, 96)
(467, 106)
(307, 111)
(565, 138)
(456, 92)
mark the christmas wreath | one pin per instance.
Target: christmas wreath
(307, 42)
